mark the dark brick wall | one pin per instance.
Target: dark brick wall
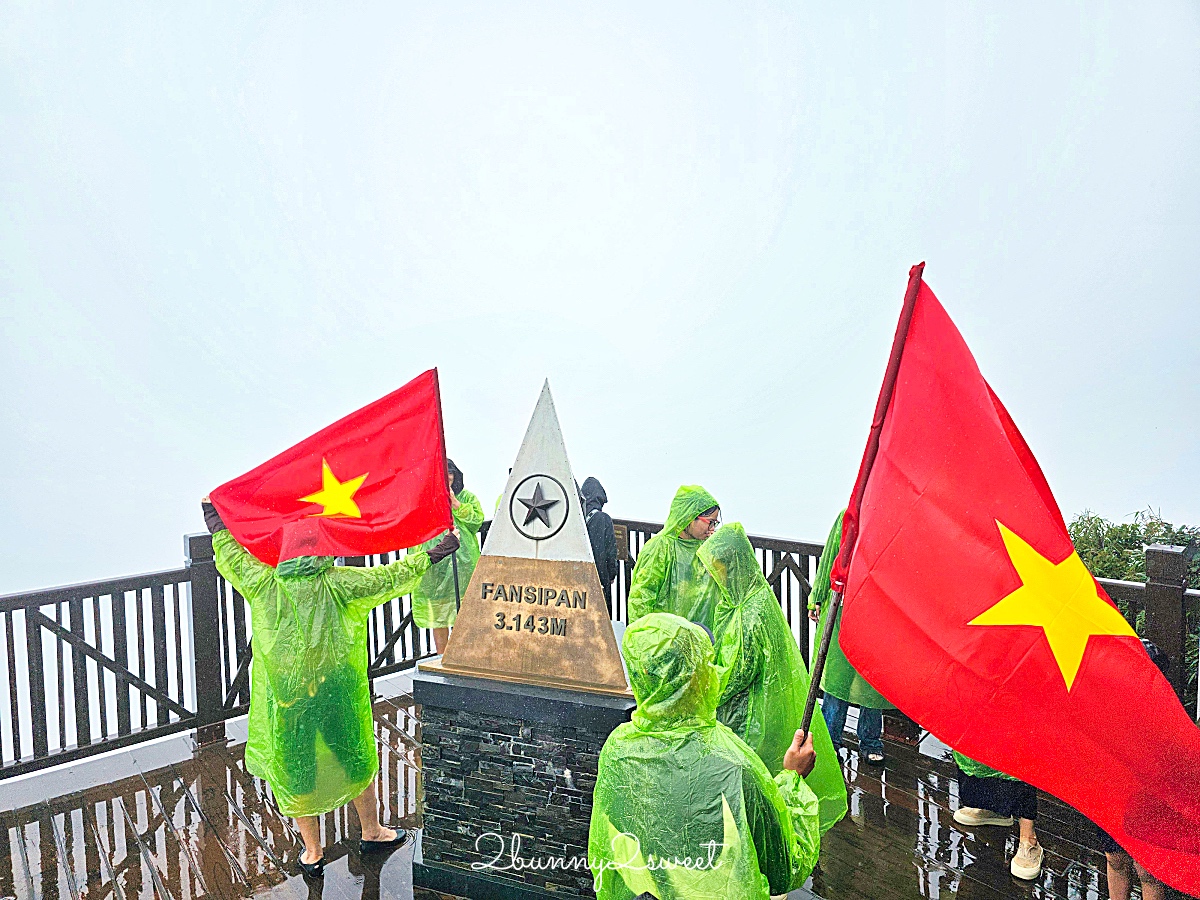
(492, 773)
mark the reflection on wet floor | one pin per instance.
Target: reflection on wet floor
(204, 827)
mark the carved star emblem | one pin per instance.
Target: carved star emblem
(538, 507)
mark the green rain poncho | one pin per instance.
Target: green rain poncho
(676, 785)
(978, 769)
(667, 576)
(433, 599)
(311, 732)
(764, 682)
(839, 679)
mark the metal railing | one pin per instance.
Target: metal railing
(93, 667)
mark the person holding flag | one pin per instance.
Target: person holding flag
(312, 735)
(763, 677)
(967, 606)
(843, 686)
(667, 577)
(370, 483)
(435, 599)
(683, 809)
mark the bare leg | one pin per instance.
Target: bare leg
(440, 637)
(310, 831)
(1119, 871)
(367, 808)
(1152, 888)
(1028, 835)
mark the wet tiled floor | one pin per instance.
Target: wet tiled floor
(201, 826)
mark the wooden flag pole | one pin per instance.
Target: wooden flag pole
(850, 522)
(818, 666)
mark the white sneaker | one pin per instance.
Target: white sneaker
(1027, 863)
(970, 815)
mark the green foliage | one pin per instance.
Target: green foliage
(1117, 550)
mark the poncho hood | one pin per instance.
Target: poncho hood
(671, 671)
(303, 566)
(690, 500)
(729, 558)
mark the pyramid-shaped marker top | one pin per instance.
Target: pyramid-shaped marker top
(534, 611)
(540, 516)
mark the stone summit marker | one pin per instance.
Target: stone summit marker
(530, 686)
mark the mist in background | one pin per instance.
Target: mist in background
(223, 228)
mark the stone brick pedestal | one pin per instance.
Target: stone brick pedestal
(508, 772)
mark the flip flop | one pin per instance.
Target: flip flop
(875, 759)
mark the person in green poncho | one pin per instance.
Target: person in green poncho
(311, 731)
(764, 681)
(667, 576)
(843, 686)
(434, 602)
(682, 808)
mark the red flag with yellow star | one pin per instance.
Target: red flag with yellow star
(967, 606)
(369, 483)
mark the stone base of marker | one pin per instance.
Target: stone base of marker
(505, 762)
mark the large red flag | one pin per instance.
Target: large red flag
(967, 606)
(371, 482)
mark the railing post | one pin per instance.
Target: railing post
(1166, 567)
(206, 638)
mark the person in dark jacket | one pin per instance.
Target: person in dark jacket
(600, 531)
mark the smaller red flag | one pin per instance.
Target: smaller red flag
(369, 483)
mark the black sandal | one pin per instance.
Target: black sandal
(399, 840)
(313, 869)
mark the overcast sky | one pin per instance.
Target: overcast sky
(222, 228)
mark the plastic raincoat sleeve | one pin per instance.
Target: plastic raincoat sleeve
(785, 826)
(739, 663)
(649, 575)
(364, 589)
(469, 514)
(239, 566)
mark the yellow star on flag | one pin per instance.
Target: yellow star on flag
(1060, 599)
(336, 496)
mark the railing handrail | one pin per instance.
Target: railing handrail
(107, 587)
(209, 632)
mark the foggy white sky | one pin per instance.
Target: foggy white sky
(222, 228)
